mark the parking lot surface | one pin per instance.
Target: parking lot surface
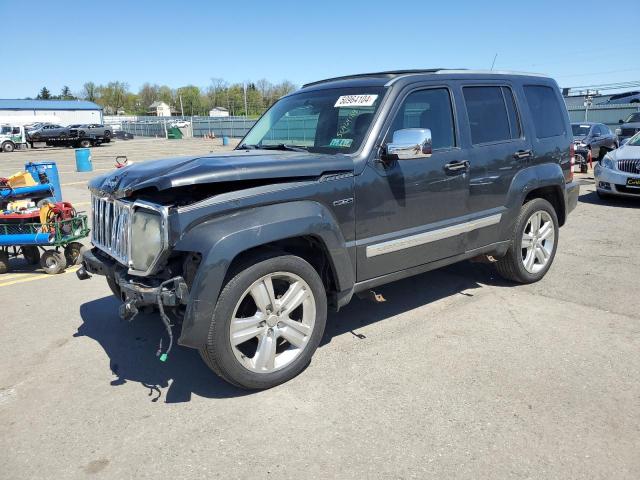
(457, 375)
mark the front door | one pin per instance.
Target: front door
(412, 212)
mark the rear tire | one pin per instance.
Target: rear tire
(31, 254)
(4, 262)
(85, 143)
(528, 264)
(53, 262)
(283, 326)
(73, 253)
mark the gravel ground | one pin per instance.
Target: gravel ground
(457, 375)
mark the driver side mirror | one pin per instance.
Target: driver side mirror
(409, 144)
(621, 121)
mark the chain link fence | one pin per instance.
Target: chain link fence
(610, 115)
(149, 126)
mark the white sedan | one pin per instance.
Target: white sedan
(619, 171)
(180, 124)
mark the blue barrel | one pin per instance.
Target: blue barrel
(225, 141)
(50, 170)
(83, 160)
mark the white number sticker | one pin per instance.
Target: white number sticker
(356, 101)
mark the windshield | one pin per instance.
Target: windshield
(321, 121)
(580, 130)
(634, 117)
(634, 141)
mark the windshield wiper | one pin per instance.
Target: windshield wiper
(283, 146)
(245, 146)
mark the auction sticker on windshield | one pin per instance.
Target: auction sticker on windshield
(356, 101)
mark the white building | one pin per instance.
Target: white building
(64, 112)
(159, 109)
(218, 112)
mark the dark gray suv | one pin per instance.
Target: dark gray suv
(340, 187)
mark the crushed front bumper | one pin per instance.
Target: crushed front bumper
(136, 292)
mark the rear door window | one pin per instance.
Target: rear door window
(492, 114)
(545, 111)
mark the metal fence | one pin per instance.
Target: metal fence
(610, 115)
(148, 126)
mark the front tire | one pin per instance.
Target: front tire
(53, 262)
(8, 147)
(267, 323)
(533, 243)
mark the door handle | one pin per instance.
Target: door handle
(523, 154)
(457, 166)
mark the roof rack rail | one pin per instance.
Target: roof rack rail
(389, 73)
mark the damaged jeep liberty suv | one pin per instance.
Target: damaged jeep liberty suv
(341, 186)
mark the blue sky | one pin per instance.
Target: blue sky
(178, 43)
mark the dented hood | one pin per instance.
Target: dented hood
(226, 167)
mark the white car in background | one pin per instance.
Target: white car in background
(180, 124)
(619, 171)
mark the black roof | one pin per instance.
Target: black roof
(382, 75)
(383, 78)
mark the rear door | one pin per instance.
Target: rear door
(499, 148)
(550, 128)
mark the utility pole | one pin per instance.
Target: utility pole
(588, 101)
(181, 107)
(245, 98)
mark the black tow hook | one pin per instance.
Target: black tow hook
(82, 273)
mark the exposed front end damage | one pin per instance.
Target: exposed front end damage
(165, 236)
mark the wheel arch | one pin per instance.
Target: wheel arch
(553, 195)
(538, 181)
(303, 228)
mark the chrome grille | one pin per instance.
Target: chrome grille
(629, 165)
(111, 227)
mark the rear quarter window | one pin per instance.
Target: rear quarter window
(545, 110)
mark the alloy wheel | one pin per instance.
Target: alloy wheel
(538, 239)
(272, 322)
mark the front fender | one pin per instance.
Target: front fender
(221, 240)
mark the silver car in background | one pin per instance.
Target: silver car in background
(619, 171)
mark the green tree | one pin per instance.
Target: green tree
(191, 100)
(90, 91)
(65, 94)
(44, 94)
(167, 95)
(148, 94)
(113, 96)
